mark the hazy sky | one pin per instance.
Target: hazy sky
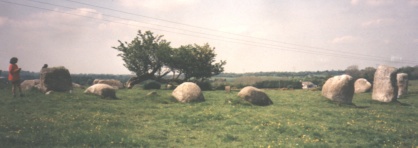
(251, 35)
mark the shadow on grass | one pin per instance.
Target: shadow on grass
(395, 102)
(162, 100)
(238, 102)
(348, 105)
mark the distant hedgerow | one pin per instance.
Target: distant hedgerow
(152, 85)
(205, 85)
(279, 84)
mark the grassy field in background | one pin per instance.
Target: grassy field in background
(297, 118)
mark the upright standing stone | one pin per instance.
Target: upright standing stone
(385, 88)
(402, 79)
(339, 89)
(228, 89)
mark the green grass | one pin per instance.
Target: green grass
(297, 118)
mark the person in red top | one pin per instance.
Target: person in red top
(14, 76)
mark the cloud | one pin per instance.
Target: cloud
(396, 58)
(413, 2)
(57, 20)
(345, 39)
(377, 22)
(70, 16)
(74, 25)
(3, 21)
(161, 5)
(372, 2)
(53, 37)
(415, 40)
(387, 41)
(379, 2)
(355, 2)
(235, 29)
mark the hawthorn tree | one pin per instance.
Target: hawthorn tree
(195, 62)
(145, 56)
(151, 57)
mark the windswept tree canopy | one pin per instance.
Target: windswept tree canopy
(145, 54)
(151, 57)
(197, 62)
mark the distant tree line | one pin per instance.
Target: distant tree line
(291, 84)
(368, 72)
(87, 79)
(285, 74)
(411, 71)
(317, 77)
(82, 79)
(24, 75)
(353, 70)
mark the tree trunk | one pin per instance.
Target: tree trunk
(136, 80)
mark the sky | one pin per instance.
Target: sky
(251, 35)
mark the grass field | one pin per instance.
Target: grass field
(297, 118)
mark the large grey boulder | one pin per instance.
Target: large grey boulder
(112, 82)
(188, 92)
(339, 89)
(30, 84)
(103, 90)
(255, 96)
(385, 88)
(402, 82)
(362, 85)
(55, 79)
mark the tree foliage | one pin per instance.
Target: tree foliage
(145, 54)
(194, 61)
(151, 57)
(353, 71)
(411, 71)
(151, 84)
(368, 73)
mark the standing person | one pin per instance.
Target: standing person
(14, 76)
